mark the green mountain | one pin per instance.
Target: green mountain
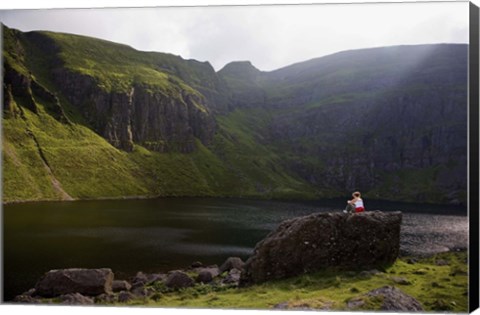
(87, 118)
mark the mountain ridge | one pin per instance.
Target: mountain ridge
(177, 127)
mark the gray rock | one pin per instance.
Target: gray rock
(90, 282)
(139, 280)
(230, 263)
(401, 280)
(196, 264)
(355, 303)
(321, 240)
(125, 296)
(178, 279)
(75, 299)
(142, 292)
(26, 299)
(412, 261)
(30, 292)
(105, 298)
(213, 270)
(233, 277)
(281, 306)
(204, 277)
(120, 285)
(392, 299)
(441, 262)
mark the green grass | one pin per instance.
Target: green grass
(87, 166)
(117, 67)
(437, 288)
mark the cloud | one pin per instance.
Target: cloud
(269, 36)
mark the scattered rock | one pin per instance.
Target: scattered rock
(355, 303)
(178, 279)
(204, 277)
(412, 261)
(281, 306)
(401, 280)
(75, 299)
(196, 264)
(233, 277)
(441, 262)
(369, 273)
(30, 292)
(368, 239)
(25, 299)
(125, 296)
(105, 298)
(154, 277)
(142, 291)
(120, 285)
(230, 263)
(213, 270)
(139, 280)
(391, 298)
(88, 282)
(442, 305)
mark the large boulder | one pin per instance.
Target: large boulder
(88, 282)
(178, 279)
(349, 241)
(120, 285)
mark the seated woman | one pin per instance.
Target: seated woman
(356, 204)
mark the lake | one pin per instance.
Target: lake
(158, 235)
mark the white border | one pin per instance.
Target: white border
(73, 310)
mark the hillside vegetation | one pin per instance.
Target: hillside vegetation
(87, 118)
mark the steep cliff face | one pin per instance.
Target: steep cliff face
(124, 106)
(141, 114)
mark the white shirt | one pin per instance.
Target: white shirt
(359, 203)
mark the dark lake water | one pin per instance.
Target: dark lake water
(158, 235)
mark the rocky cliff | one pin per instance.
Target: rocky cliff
(165, 116)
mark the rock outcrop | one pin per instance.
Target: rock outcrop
(322, 240)
(89, 282)
(142, 115)
(392, 299)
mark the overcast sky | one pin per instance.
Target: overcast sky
(269, 36)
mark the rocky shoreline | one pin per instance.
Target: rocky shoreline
(77, 286)
(100, 287)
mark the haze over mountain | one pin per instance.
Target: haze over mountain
(87, 118)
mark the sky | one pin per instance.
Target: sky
(269, 36)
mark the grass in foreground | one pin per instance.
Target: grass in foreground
(436, 287)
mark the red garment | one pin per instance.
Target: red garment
(359, 209)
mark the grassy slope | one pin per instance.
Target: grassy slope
(89, 167)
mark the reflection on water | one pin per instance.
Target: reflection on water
(164, 234)
(427, 234)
